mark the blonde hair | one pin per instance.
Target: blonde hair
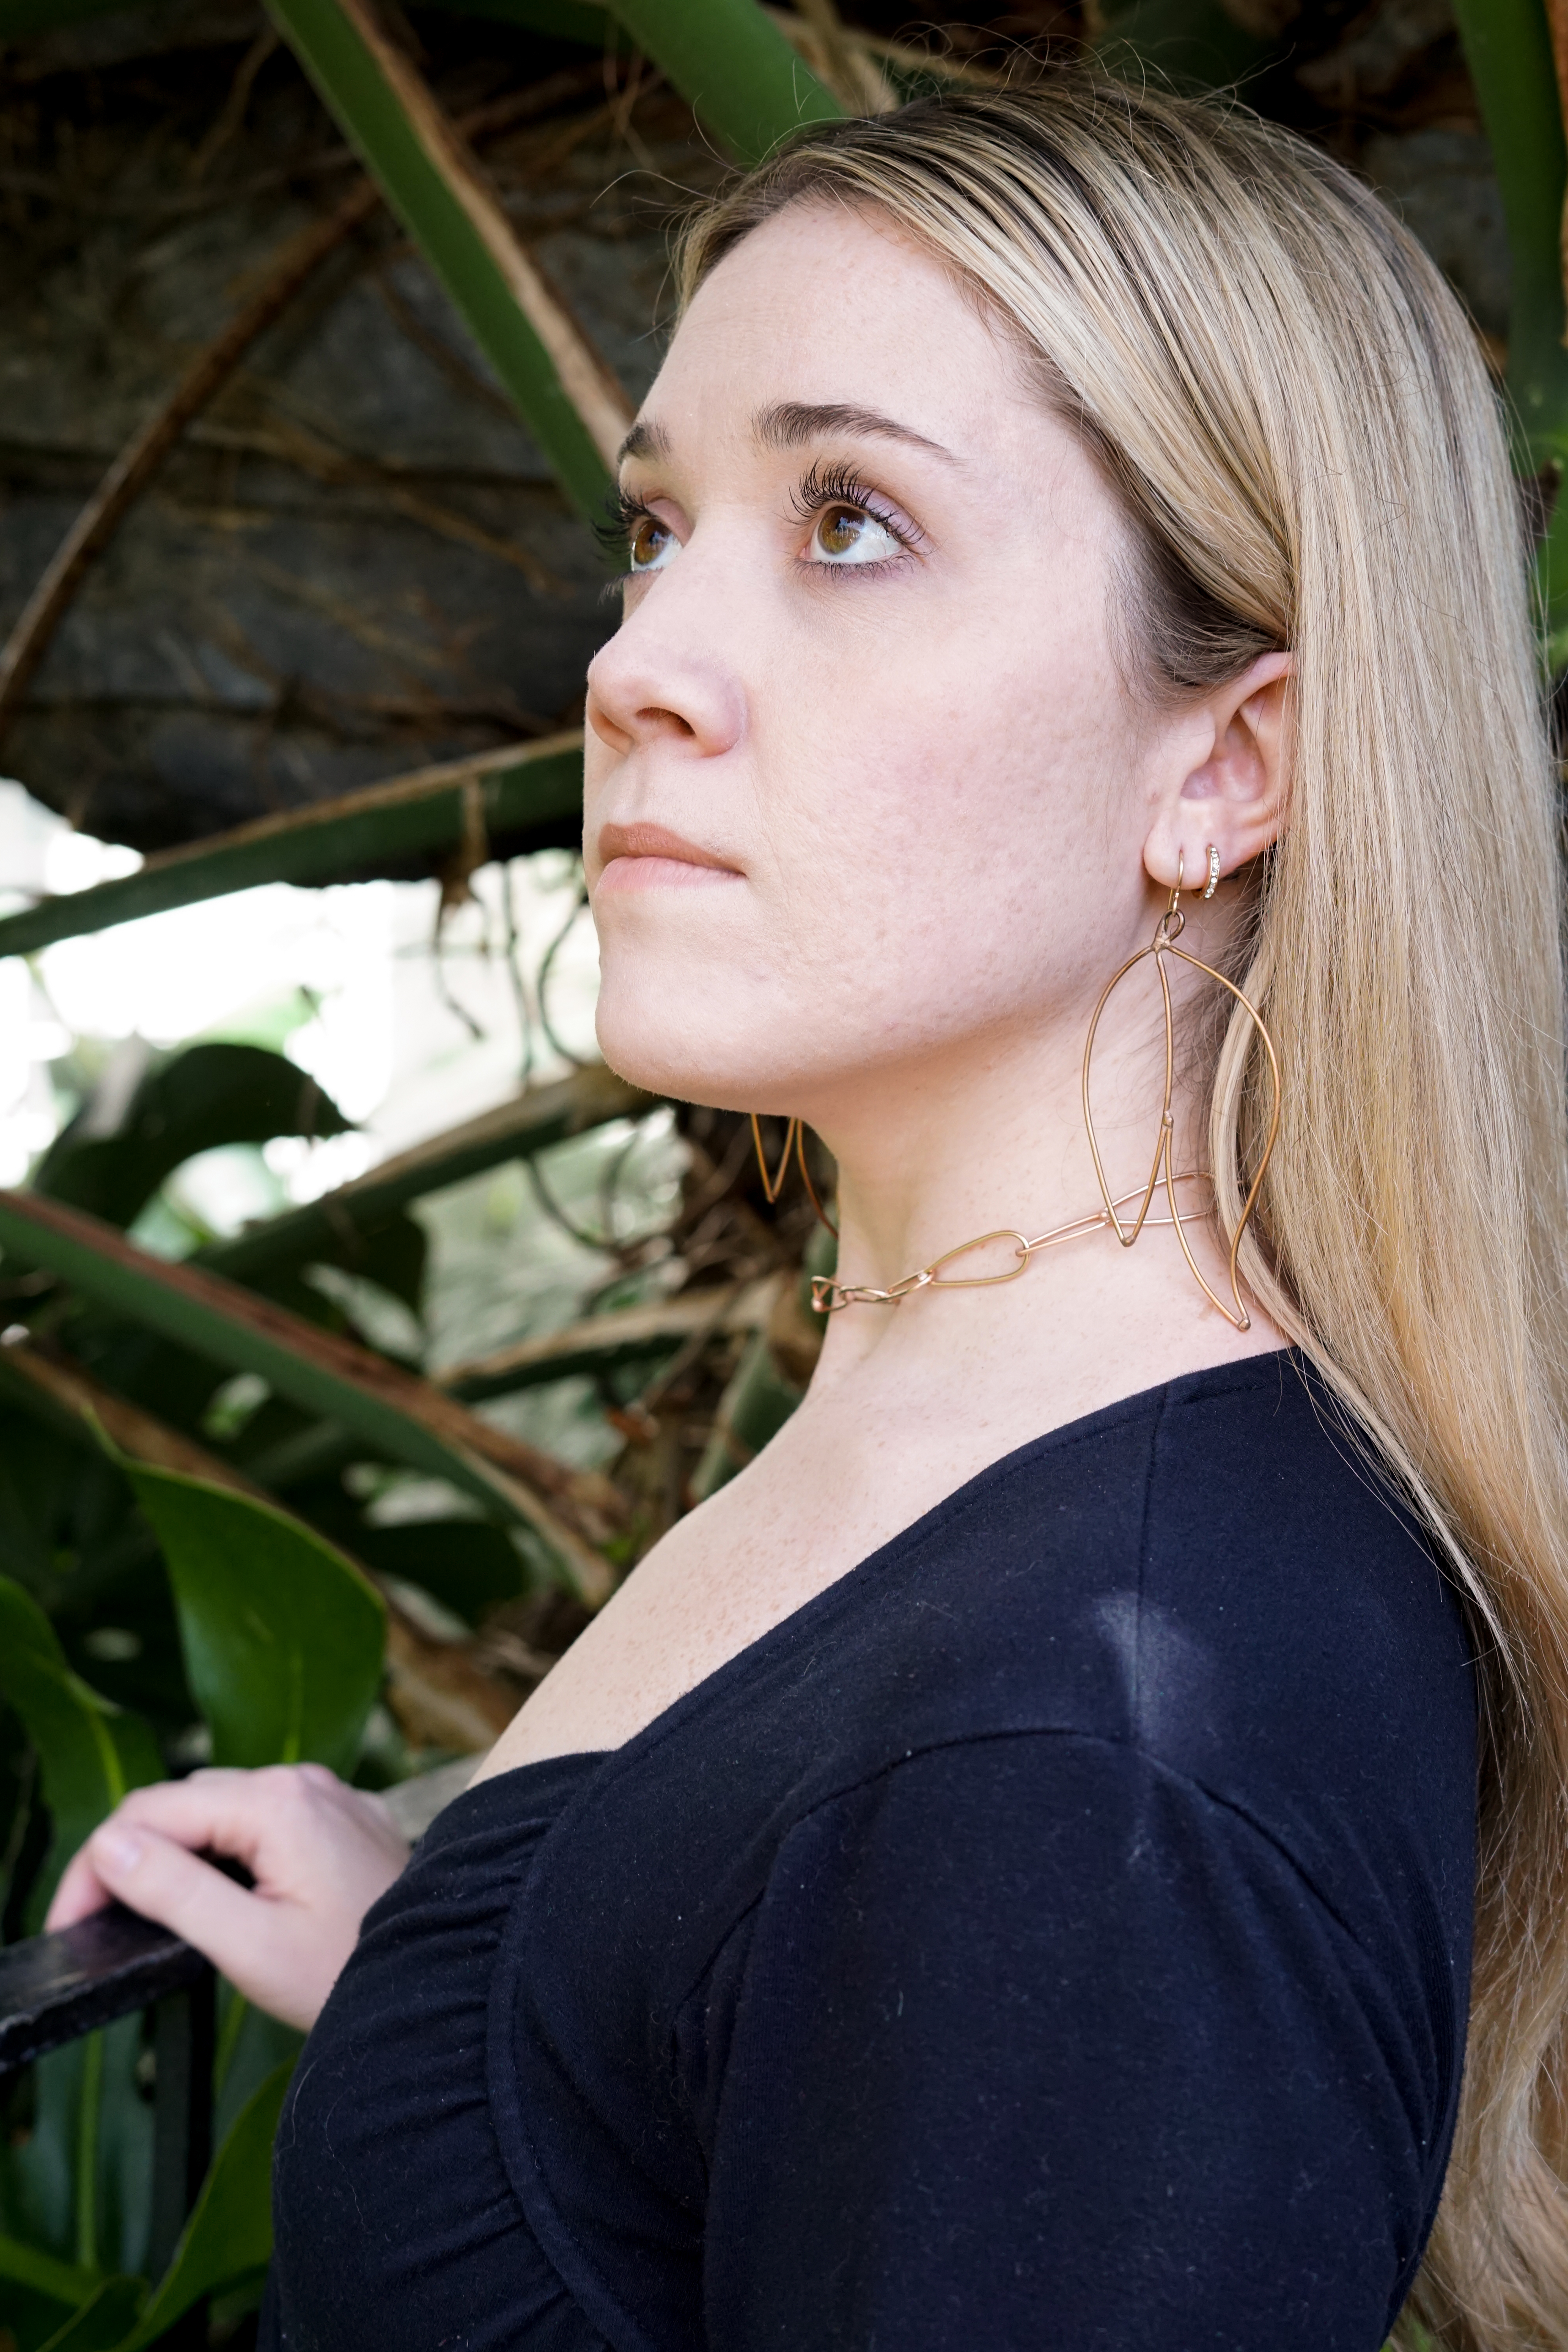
(1298, 422)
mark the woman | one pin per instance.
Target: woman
(1002, 1872)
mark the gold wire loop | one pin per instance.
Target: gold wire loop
(978, 1281)
(773, 1178)
(1160, 947)
(828, 1295)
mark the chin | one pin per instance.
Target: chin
(685, 1049)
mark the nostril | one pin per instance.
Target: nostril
(659, 722)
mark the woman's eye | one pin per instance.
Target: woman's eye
(849, 535)
(654, 545)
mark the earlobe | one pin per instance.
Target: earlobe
(1221, 814)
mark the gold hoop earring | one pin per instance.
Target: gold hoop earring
(773, 1179)
(1167, 931)
(1213, 870)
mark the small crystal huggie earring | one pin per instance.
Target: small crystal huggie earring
(1213, 871)
(773, 1178)
(1167, 931)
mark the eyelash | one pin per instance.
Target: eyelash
(833, 485)
(614, 534)
(824, 486)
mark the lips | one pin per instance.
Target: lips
(650, 856)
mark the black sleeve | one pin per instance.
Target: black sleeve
(1032, 2043)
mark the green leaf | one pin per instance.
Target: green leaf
(530, 795)
(573, 408)
(734, 65)
(325, 1229)
(100, 2324)
(391, 1252)
(229, 2235)
(466, 1564)
(209, 1094)
(396, 1412)
(20, 17)
(1508, 48)
(89, 1753)
(282, 1636)
(1183, 40)
(44, 2273)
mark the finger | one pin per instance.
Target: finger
(80, 1893)
(156, 1876)
(81, 1890)
(230, 1811)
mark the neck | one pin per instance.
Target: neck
(988, 1134)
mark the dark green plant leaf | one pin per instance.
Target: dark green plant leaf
(229, 2235)
(283, 1636)
(530, 796)
(1184, 41)
(467, 1565)
(1508, 48)
(325, 1229)
(734, 65)
(573, 407)
(207, 1095)
(102, 2321)
(46, 2275)
(397, 1414)
(89, 1753)
(391, 1252)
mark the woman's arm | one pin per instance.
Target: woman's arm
(318, 1852)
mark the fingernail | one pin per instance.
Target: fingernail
(117, 1848)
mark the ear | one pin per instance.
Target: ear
(1238, 797)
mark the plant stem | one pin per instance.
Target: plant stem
(88, 2117)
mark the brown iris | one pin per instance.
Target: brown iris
(839, 532)
(650, 538)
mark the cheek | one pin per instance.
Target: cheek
(930, 820)
(964, 804)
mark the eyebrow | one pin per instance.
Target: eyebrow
(645, 439)
(791, 425)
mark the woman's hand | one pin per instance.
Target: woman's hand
(319, 1854)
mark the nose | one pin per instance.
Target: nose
(653, 683)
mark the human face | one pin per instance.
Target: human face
(863, 785)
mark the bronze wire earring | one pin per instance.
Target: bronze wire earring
(828, 1296)
(1167, 931)
(773, 1179)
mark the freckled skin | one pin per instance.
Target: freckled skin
(888, 757)
(935, 823)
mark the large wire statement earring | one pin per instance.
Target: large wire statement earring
(773, 1177)
(1167, 931)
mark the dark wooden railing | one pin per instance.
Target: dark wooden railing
(54, 1989)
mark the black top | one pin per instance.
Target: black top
(1055, 1935)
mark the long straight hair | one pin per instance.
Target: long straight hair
(1296, 417)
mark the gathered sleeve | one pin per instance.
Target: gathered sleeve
(1032, 2043)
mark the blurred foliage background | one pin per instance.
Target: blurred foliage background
(358, 1331)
